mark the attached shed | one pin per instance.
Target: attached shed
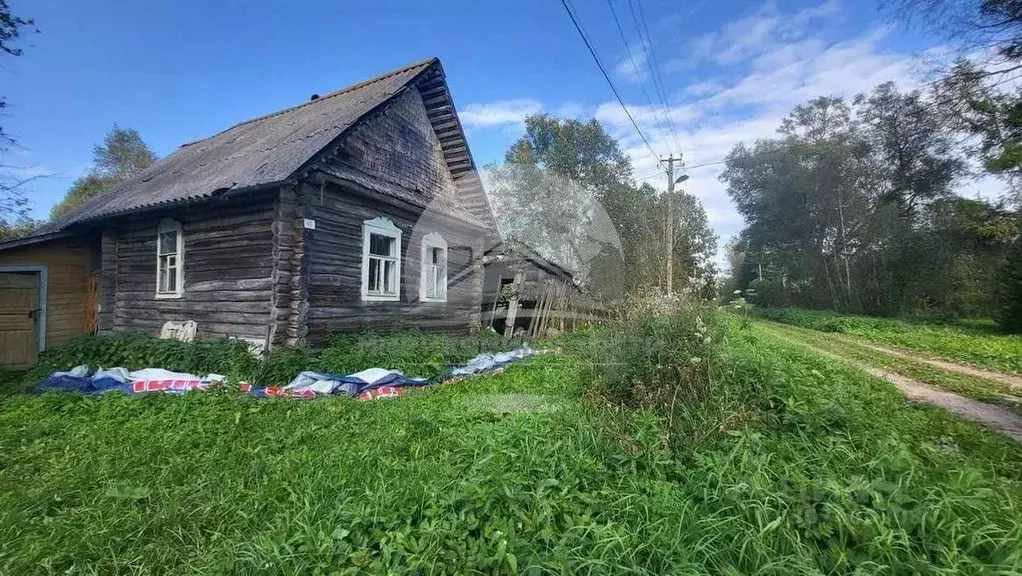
(521, 288)
(44, 295)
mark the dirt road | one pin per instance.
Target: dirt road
(995, 417)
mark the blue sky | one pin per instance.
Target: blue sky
(179, 71)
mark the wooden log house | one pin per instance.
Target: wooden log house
(360, 209)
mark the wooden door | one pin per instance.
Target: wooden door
(19, 304)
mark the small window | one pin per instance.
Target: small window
(433, 282)
(381, 260)
(170, 254)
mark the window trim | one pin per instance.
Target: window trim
(430, 241)
(169, 225)
(383, 227)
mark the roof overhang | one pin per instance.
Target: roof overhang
(514, 249)
(37, 239)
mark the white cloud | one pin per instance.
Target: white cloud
(611, 113)
(634, 67)
(747, 37)
(499, 113)
(574, 110)
(825, 10)
(704, 88)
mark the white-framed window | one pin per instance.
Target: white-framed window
(381, 260)
(170, 260)
(433, 280)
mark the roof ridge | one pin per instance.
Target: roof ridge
(345, 90)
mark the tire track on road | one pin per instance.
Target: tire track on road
(995, 417)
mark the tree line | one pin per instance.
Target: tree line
(853, 205)
(121, 155)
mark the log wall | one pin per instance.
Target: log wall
(334, 267)
(228, 269)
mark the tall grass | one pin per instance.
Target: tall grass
(785, 463)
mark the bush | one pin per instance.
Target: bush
(1008, 313)
(656, 361)
(136, 351)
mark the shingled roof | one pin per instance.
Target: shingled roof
(277, 147)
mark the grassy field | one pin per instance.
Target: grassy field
(971, 341)
(810, 467)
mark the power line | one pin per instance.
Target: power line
(653, 64)
(705, 164)
(606, 77)
(635, 67)
(693, 167)
(644, 178)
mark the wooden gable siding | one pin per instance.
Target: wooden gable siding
(228, 264)
(68, 264)
(334, 268)
(400, 146)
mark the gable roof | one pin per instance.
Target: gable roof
(272, 149)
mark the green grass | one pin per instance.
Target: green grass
(971, 341)
(973, 387)
(814, 467)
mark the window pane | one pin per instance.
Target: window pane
(388, 276)
(431, 281)
(436, 254)
(168, 242)
(381, 245)
(374, 271)
(171, 279)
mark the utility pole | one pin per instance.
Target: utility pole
(670, 217)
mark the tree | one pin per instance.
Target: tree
(803, 201)
(1009, 294)
(976, 93)
(11, 27)
(122, 154)
(853, 208)
(567, 190)
(13, 204)
(971, 24)
(21, 227)
(82, 190)
(915, 153)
